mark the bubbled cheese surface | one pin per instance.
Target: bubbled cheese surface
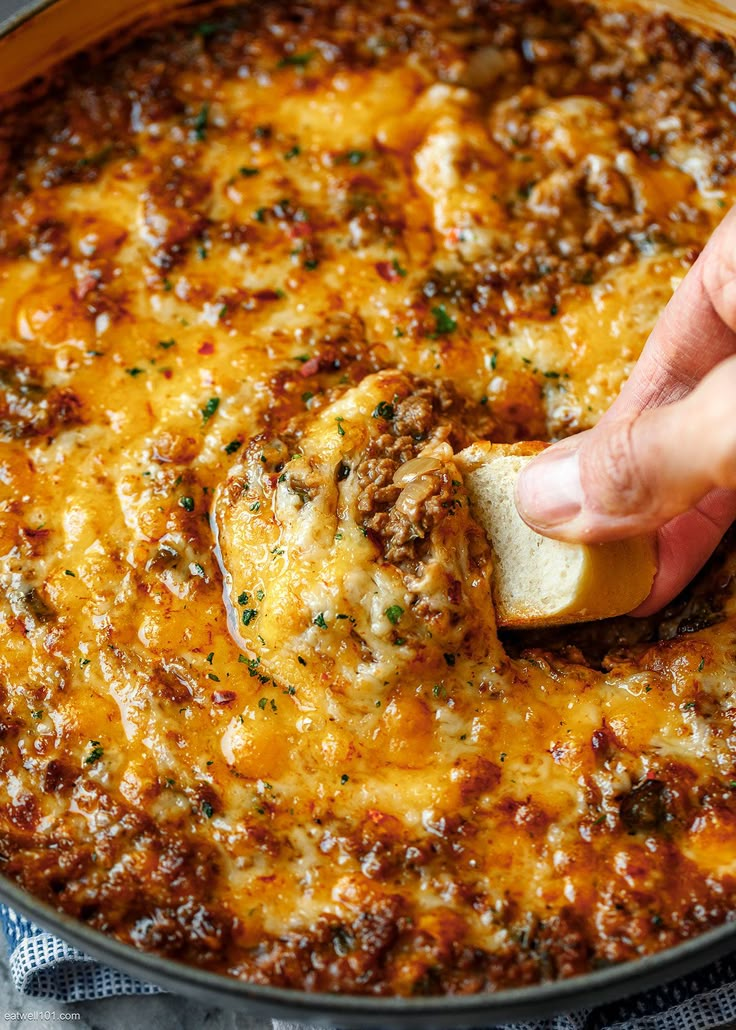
(237, 239)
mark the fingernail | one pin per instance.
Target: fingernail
(548, 490)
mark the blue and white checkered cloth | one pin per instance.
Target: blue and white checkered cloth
(42, 966)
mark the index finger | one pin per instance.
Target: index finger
(696, 331)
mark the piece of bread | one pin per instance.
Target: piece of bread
(543, 582)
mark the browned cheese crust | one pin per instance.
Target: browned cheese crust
(270, 257)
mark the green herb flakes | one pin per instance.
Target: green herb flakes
(209, 409)
(444, 323)
(201, 123)
(394, 613)
(296, 60)
(95, 754)
(384, 410)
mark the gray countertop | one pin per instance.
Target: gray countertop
(143, 1013)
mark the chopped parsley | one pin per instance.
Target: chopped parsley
(187, 503)
(248, 615)
(394, 613)
(201, 123)
(207, 28)
(207, 809)
(340, 430)
(209, 409)
(165, 344)
(68, 572)
(398, 268)
(248, 173)
(320, 621)
(233, 446)
(292, 152)
(296, 60)
(384, 410)
(95, 754)
(444, 323)
(135, 372)
(344, 779)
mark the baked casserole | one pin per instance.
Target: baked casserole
(264, 270)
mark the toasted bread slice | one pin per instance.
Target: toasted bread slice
(543, 582)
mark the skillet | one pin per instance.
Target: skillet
(34, 34)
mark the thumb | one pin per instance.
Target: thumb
(632, 474)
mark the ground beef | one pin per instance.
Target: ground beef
(27, 408)
(433, 412)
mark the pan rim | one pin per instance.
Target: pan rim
(366, 1011)
(591, 989)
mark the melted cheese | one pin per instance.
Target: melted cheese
(256, 253)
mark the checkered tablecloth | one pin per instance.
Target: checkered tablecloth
(42, 966)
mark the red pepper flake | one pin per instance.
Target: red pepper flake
(85, 285)
(651, 775)
(166, 373)
(309, 368)
(268, 295)
(223, 697)
(388, 271)
(207, 348)
(299, 230)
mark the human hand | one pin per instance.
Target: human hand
(663, 457)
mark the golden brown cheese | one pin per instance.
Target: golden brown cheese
(222, 250)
